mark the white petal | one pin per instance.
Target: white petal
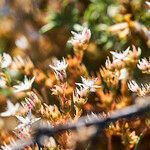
(6, 114)
(10, 105)
(21, 119)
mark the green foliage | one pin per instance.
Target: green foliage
(68, 16)
(99, 21)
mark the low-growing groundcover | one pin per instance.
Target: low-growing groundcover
(56, 73)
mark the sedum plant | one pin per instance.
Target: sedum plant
(66, 91)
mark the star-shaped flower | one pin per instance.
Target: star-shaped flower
(25, 85)
(11, 109)
(88, 84)
(121, 55)
(27, 121)
(80, 92)
(80, 95)
(81, 39)
(83, 36)
(59, 67)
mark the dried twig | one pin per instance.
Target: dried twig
(128, 112)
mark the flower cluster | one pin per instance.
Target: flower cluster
(88, 84)
(80, 40)
(59, 68)
(66, 91)
(25, 85)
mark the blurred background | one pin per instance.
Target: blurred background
(41, 28)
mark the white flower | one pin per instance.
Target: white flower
(27, 121)
(79, 39)
(80, 95)
(88, 84)
(80, 92)
(110, 65)
(85, 35)
(120, 56)
(59, 68)
(6, 60)
(11, 109)
(25, 85)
